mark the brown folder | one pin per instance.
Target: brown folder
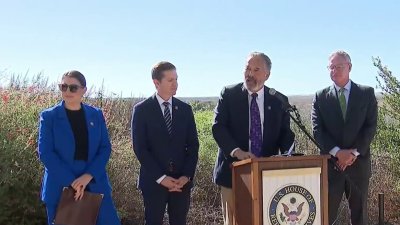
(81, 212)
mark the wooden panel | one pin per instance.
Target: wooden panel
(257, 195)
(242, 195)
(324, 193)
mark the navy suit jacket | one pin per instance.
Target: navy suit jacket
(157, 150)
(356, 131)
(231, 129)
(57, 148)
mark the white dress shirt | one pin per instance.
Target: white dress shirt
(346, 92)
(260, 104)
(162, 107)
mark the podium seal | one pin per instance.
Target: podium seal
(292, 205)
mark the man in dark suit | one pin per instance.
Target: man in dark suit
(249, 122)
(165, 142)
(344, 118)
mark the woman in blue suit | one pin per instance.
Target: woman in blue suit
(74, 148)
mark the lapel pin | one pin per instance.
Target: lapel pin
(176, 107)
(269, 107)
(91, 124)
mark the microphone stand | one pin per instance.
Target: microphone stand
(297, 120)
(300, 124)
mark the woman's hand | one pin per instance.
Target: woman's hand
(79, 185)
(79, 194)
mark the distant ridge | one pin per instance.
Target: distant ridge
(293, 99)
(199, 99)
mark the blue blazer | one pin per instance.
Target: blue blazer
(156, 149)
(231, 129)
(57, 147)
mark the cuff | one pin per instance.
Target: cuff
(233, 152)
(355, 152)
(289, 152)
(334, 150)
(161, 179)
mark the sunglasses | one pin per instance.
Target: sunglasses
(72, 87)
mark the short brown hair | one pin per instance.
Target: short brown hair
(159, 68)
(77, 75)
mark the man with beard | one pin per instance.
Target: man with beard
(165, 142)
(249, 122)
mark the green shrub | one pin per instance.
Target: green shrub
(387, 140)
(21, 172)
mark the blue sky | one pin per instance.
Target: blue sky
(208, 41)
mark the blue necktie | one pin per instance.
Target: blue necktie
(255, 127)
(167, 117)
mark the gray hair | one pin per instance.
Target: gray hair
(342, 54)
(264, 56)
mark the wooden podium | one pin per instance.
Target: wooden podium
(251, 181)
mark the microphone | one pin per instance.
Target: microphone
(282, 98)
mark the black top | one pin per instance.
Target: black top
(79, 128)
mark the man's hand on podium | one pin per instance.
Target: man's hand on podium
(241, 155)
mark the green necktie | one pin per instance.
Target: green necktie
(342, 102)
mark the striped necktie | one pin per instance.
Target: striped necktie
(167, 117)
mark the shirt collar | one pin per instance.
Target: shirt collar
(260, 93)
(161, 101)
(346, 87)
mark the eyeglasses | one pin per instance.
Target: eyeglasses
(336, 67)
(72, 87)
